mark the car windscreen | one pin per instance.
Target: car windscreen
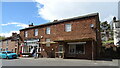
(3, 52)
(9, 52)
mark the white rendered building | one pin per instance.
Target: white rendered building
(116, 31)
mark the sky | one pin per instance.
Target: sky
(18, 15)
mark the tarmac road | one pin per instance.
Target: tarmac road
(56, 62)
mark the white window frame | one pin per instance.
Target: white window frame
(36, 32)
(68, 27)
(48, 30)
(26, 33)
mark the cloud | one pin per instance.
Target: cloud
(8, 34)
(60, 9)
(15, 23)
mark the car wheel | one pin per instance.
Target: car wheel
(7, 57)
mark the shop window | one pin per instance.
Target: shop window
(68, 27)
(77, 49)
(6, 49)
(36, 32)
(48, 30)
(72, 49)
(80, 49)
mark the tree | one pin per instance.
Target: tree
(1, 37)
(107, 31)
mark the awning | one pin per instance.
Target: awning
(47, 42)
(77, 43)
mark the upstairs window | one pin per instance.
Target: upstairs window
(36, 32)
(6, 42)
(68, 27)
(26, 33)
(48, 30)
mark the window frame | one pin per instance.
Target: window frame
(26, 34)
(48, 30)
(35, 33)
(68, 27)
(76, 48)
(7, 42)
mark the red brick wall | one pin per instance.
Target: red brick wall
(80, 29)
(11, 45)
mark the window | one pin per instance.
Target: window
(60, 48)
(6, 49)
(36, 32)
(72, 49)
(117, 25)
(3, 52)
(79, 49)
(47, 40)
(76, 49)
(48, 30)
(12, 50)
(68, 27)
(6, 42)
(26, 34)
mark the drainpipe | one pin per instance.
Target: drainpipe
(92, 51)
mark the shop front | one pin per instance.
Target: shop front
(30, 45)
(84, 49)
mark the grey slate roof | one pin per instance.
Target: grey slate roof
(64, 20)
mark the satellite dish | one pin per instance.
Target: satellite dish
(91, 25)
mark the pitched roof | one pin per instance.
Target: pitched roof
(64, 20)
(11, 37)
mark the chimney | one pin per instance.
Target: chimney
(14, 34)
(55, 20)
(30, 25)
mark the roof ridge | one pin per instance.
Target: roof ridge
(63, 20)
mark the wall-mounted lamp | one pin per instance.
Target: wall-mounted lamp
(52, 49)
(43, 49)
(41, 37)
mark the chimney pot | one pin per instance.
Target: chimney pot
(14, 34)
(31, 25)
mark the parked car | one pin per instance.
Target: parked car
(8, 55)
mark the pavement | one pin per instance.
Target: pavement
(57, 62)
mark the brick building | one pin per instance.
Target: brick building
(10, 43)
(77, 37)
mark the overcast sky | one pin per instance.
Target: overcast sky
(17, 15)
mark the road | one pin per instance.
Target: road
(56, 62)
